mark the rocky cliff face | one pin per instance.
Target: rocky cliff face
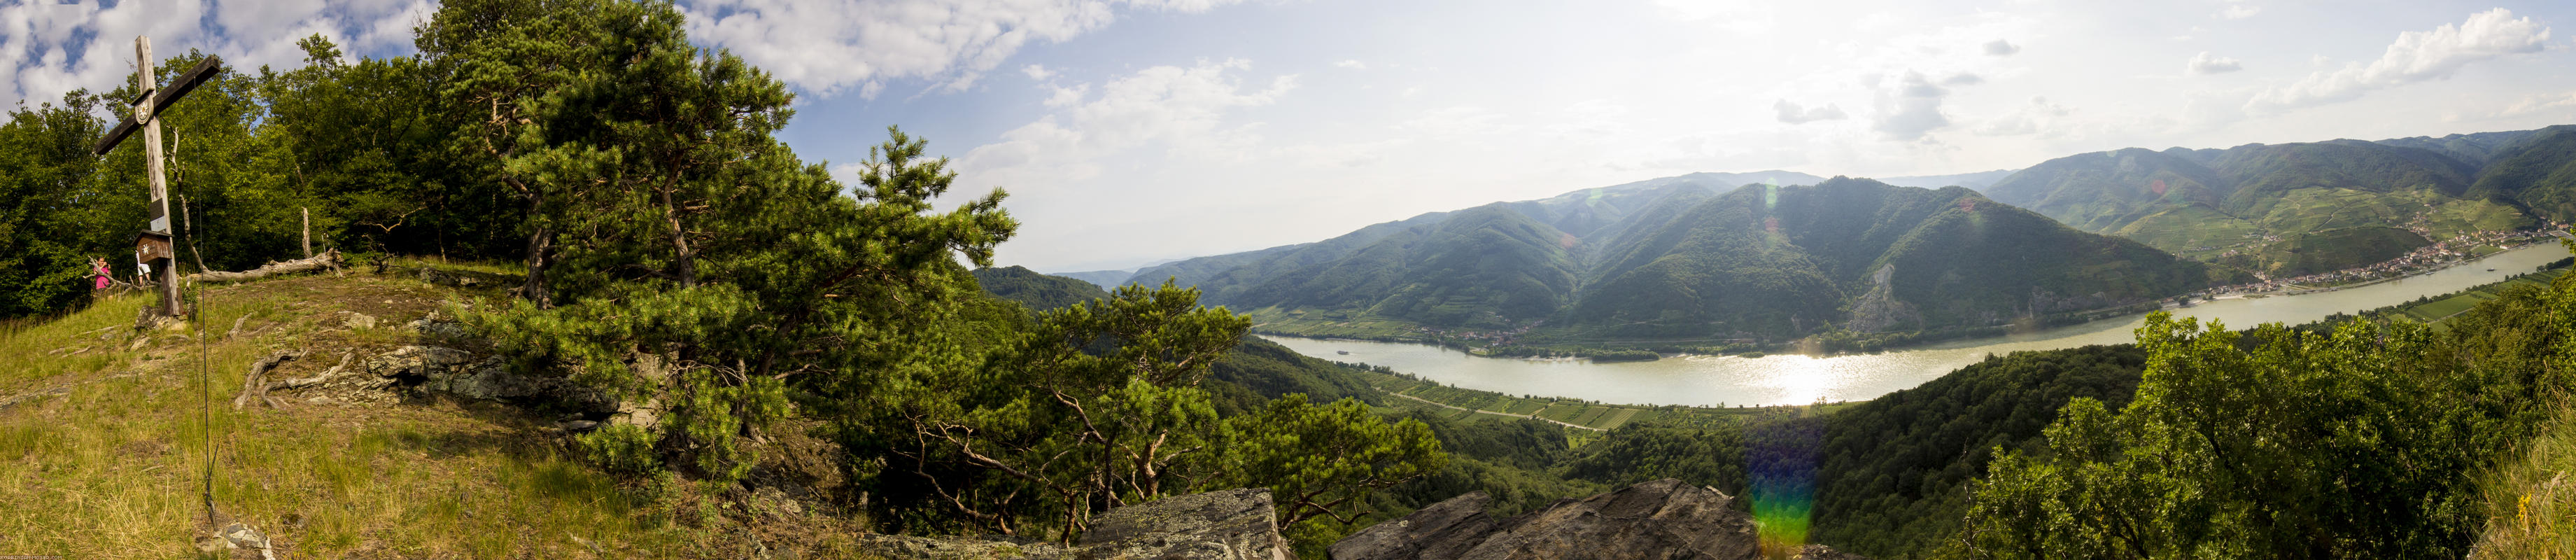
(1224, 525)
(1660, 520)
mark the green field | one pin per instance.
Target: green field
(1331, 324)
(2444, 307)
(1578, 412)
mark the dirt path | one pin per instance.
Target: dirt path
(1427, 401)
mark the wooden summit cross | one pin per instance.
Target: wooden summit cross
(152, 246)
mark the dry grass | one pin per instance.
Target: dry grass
(2531, 499)
(105, 445)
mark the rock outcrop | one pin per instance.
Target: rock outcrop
(1224, 525)
(1663, 519)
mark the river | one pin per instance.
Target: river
(1795, 379)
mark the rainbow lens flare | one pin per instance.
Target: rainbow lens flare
(1780, 459)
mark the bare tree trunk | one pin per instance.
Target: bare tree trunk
(327, 259)
(255, 384)
(540, 240)
(307, 235)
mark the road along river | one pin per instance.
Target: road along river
(1795, 379)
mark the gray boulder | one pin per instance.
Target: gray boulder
(1228, 525)
(1659, 520)
(462, 374)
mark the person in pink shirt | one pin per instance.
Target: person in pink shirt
(98, 272)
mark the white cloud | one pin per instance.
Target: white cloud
(2417, 56)
(2528, 105)
(1910, 110)
(39, 60)
(2001, 48)
(2239, 11)
(1036, 72)
(1182, 109)
(1352, 64)
(1066, 96)
(2203, 63)
(1793, 114)
(830, 46)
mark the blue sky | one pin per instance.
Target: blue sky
(1137, 130)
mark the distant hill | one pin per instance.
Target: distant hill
(1863, 255)
(1105, 279)
(1683, 257)
(1578, 213)
(1253, 373)
(1973, 181)
(2290, 209)
(1489, 266)
(1038, 292)
(2538, 171)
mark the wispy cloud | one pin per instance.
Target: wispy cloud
(1911, 109)
(2416, 56)
(1174, 107)
(832, 46)
(2203, 63)
(1793, 114)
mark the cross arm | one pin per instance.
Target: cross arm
(161, 101)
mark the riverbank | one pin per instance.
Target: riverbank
(1797, 379)
(1471, 405)
(1527, 343)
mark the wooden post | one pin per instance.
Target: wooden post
(152, 245)
(307, 235)
(143, 83)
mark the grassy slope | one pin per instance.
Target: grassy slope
(111, 467)
(2530, 498)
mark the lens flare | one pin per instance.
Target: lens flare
(1781, 457)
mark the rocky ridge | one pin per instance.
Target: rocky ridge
(1660, 520)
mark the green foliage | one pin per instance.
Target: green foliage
(1893, 471)
(1710, 456)
(2281, 443)
(624, 449)
(50, 208)
(1095, 406)
(1257, 371)
(1319, 458)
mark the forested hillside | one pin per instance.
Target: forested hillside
(2303, 208)
(1038, 292)
(1765, 261)
(1680, 260)
(2539, 171)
